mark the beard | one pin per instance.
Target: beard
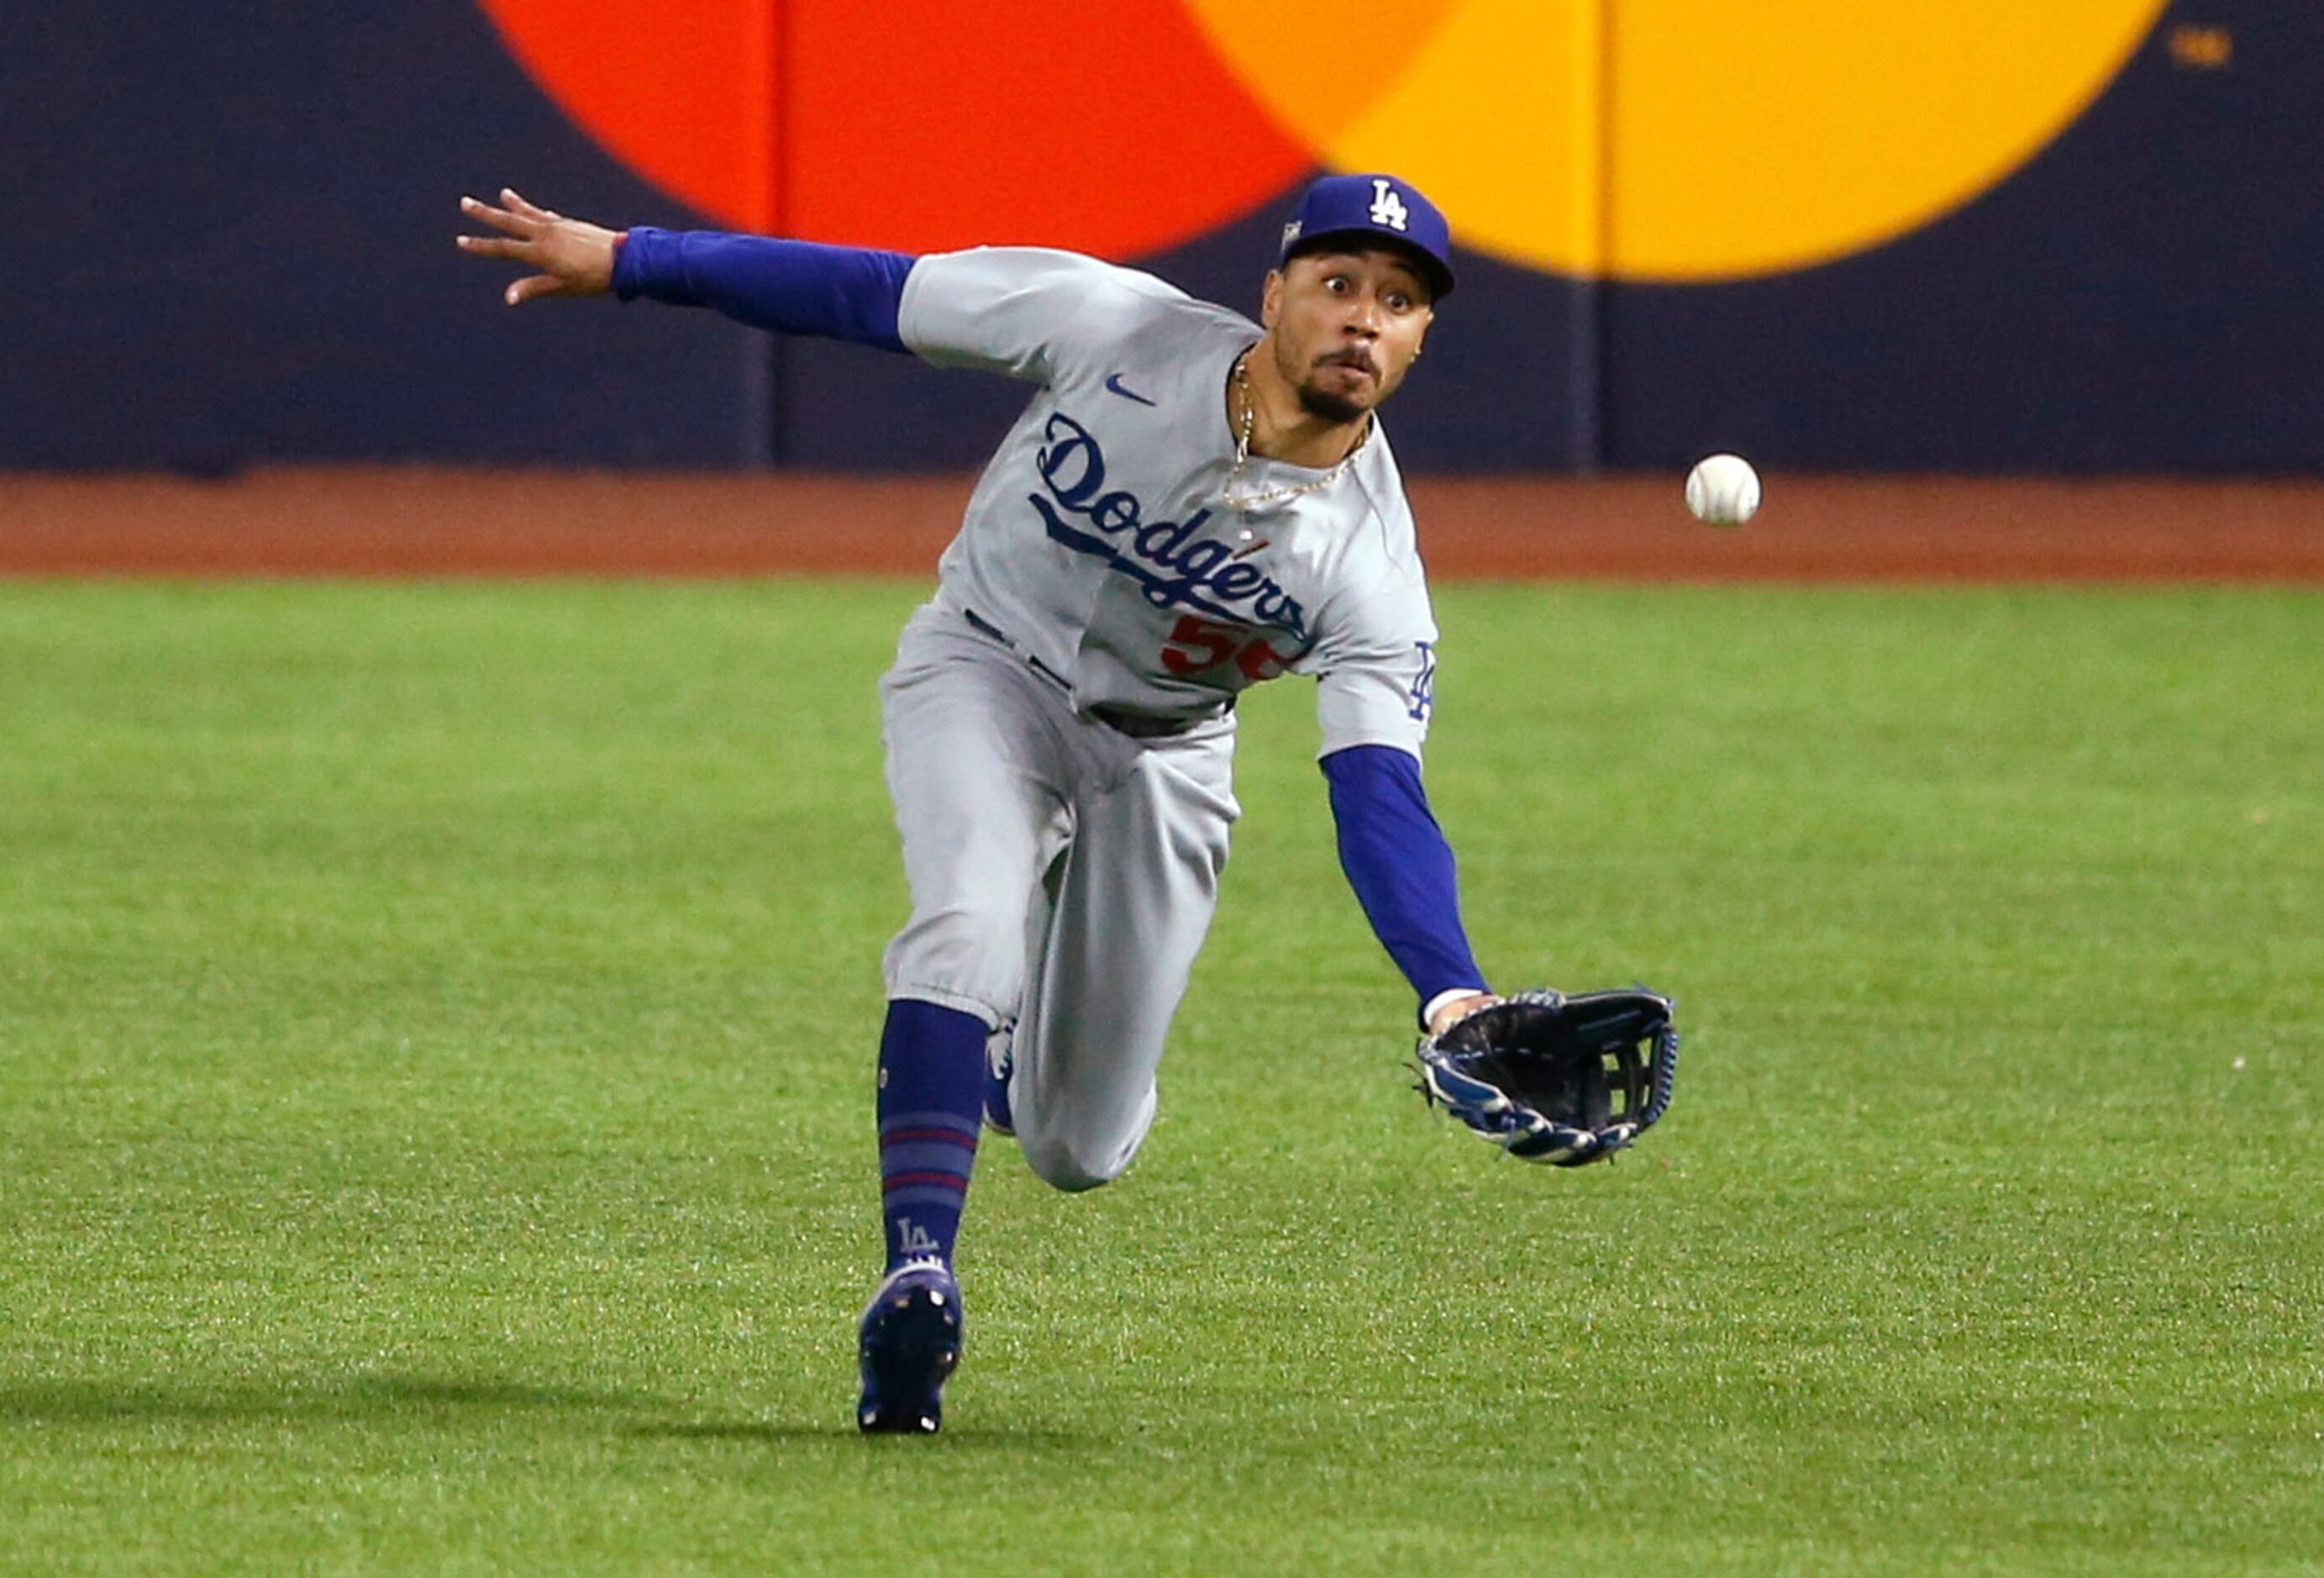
(1336, 409)
(1325, 404)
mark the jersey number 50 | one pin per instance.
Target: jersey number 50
(1197, 644)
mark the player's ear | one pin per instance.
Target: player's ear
(1270, 298)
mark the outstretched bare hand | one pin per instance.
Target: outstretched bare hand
(574, 258)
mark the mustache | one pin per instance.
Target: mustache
(1350, 356)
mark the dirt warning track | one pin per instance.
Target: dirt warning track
(383, 522)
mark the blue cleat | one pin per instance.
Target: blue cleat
(910, 1342)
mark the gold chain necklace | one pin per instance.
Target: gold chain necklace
(1250, 501)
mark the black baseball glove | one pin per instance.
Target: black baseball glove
(1554, 1078)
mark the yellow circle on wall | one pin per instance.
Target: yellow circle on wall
(1680, 139)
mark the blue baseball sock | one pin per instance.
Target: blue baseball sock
(931, 1104)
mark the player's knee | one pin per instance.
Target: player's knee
(1063, 1164)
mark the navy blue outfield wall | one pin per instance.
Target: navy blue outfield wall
(230, 244)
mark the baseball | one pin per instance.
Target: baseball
(1723, 489)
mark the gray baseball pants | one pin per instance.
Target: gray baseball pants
(1063, 877)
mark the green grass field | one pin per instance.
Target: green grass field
(435, 1029)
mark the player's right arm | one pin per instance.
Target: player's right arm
(1007, 309)
(793, 287)
(1029, 312)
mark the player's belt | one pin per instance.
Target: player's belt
(1122, 720)
(1147, 725)
(983, 627)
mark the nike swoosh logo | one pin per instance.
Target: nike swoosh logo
(1114, 385)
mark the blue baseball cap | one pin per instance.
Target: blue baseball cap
(1375, 209)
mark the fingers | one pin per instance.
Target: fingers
(509, 222)
(535, 237)
(522, 290)
(538, 215)
(519, 242)
(494, 246)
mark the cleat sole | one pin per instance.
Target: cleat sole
(910, 1346)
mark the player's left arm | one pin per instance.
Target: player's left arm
(1375, 697)
(1401, 868)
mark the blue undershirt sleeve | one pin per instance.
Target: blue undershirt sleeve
(1400, 867)
(793, 287)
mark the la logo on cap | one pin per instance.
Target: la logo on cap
(1387, 208)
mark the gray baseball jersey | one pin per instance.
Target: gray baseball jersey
(1098, 538)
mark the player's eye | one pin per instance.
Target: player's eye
(1338, 284)
(1397, 302)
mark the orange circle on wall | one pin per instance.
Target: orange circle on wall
(1636, 139)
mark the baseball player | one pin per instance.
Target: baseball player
(1191, 503)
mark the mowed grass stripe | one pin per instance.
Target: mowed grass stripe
(435, 1029)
